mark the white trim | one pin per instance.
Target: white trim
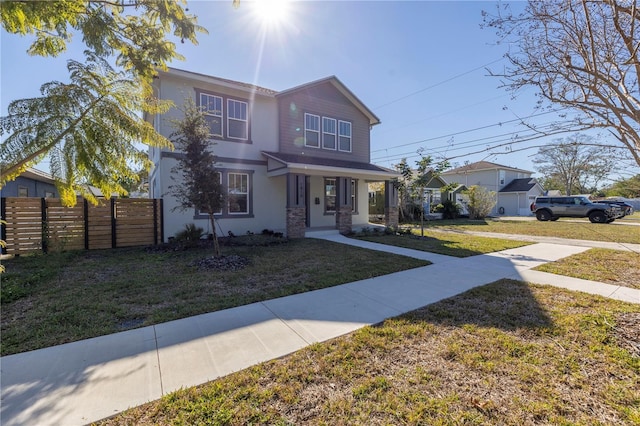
(212, 113)
(306, 114)
(229, 212)
(344, 136)
(334, 134)
(245, 120)
(325, 196)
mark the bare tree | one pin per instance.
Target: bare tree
(581, 55)
(575, 163)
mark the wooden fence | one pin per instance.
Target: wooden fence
(43, 224)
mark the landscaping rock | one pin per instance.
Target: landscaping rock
(222, 263)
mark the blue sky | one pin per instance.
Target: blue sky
(418, 65)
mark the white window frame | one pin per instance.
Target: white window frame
(231, 111)
(354, 195)
(213, 113)
(229, 193)
(308, 130)
(23, 191)
(325, 182)
(341, 136)
(327, 132)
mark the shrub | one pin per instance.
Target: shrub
(190, 233)
(449, 209)
(481, 201)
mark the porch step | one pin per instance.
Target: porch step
(315, 233)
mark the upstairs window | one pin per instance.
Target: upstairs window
(312, 130)
(328, 133)
(344, 136)
(212, 107)
(237, 122)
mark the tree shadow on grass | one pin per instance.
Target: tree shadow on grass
(504, 304)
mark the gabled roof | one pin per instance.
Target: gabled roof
(38, 175)
(289, 162)
(481, 165)
(520, 185)
(252, 88)
(373, 119)
(246, 87)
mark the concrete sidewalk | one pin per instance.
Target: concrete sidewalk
(85, 381)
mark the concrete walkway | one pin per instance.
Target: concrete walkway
(85, 381)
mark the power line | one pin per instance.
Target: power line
(388, 130)
(473, 143)
(467, 131)
(437, 84)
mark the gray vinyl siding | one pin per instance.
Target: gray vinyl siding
(325, 101)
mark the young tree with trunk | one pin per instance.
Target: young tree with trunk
(575, 163)
(197, 181)
(581, 55)
(413, 183)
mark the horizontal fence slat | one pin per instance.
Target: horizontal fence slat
(65, 227)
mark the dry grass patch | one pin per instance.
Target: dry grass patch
(506, 353)
(607, 266)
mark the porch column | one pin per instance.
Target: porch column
(390, 204)
(344, 205)
(296, 206)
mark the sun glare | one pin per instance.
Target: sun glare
(271, 12)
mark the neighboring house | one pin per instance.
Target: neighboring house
(515, 199)
(289, 160)
(432, 195)
(457, 196)
(515, 188)
(31, 183)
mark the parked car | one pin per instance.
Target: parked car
(627, 209)
(553, 208)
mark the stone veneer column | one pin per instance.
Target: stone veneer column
(344, 219)
(391, 210)
(391, 217)
(296, 222)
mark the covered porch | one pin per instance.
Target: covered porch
(329, 194)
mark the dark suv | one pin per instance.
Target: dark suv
(553, 208)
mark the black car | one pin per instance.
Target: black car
(627, 209)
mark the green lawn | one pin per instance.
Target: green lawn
(505, 353)
(450, 244)
(563, 228)
(58, 298)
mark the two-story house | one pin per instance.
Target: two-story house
(289, 160)
(515, 188)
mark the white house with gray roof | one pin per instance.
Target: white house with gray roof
(289, 161)
(515, 188)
